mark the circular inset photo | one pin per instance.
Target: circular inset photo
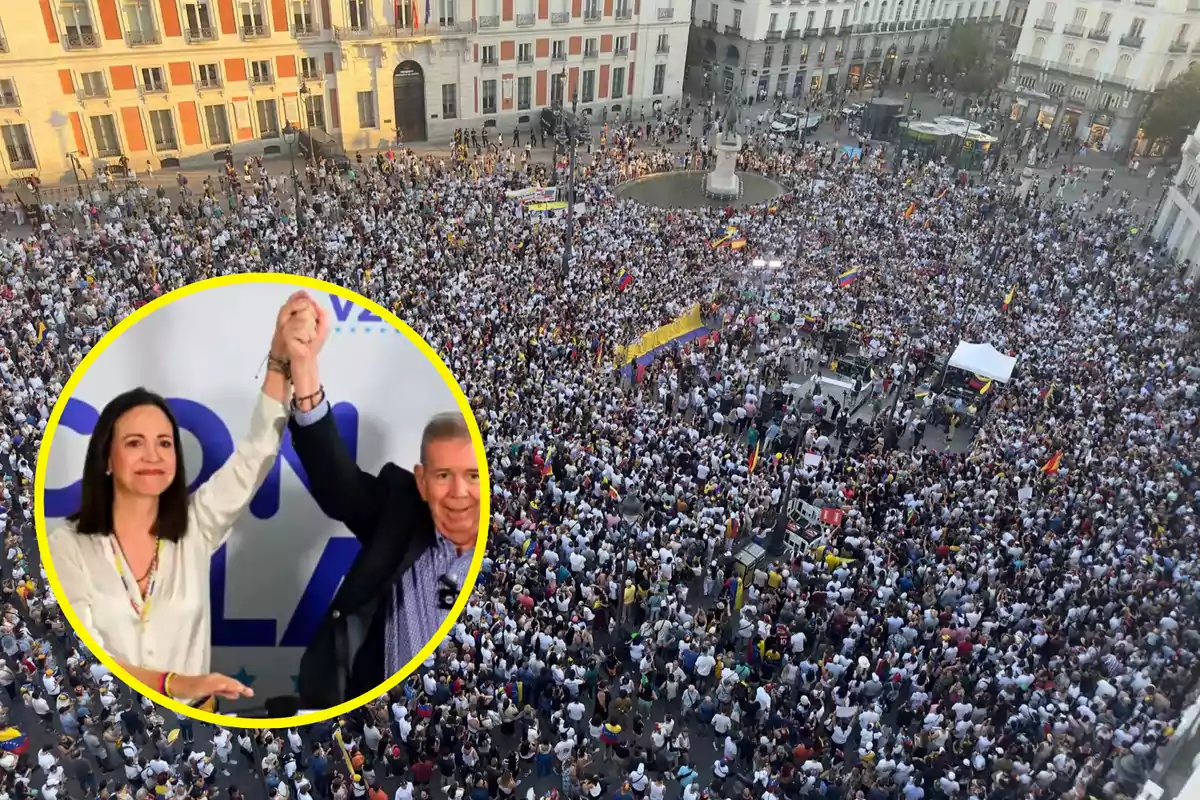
(263, 500)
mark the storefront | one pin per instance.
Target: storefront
(889, 63)
(814, 85)
(872, 77)
(1046, 115)
(1069, 124)
(1098, 130)
(798, 86)
(831, 80)
(854, 77)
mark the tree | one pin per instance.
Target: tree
(968, 61)
(1175, 110)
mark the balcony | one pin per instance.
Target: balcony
(80, 40)
(845, 30)
(623, 14)
(1099, 36)
(489, 22)
(154, 88)
(526, 20)
(733, 30)
(1177, 47)
(709, 24)
(10, 100)
(829, 31)
(790, 34)
(558, 56)
(558, 18)
(621, 52)
(665, 14)
(924, 48)
(868, 27)
(208, 84)
(261, 80)
(909, 49)
(1044, 25)
(590, 54)
(811, 32)
(591, 15)
(663, 49)
(256, 31)
(204, 33)
(525, 58)
(1073, 30)
(304, 31)
(142, 38)
(1057, 67)
(489, 61)
(774, 36)
(312, 75)
(876, 52)
(1132, 40)
(92, 93)
(434, 28)
(858, 55)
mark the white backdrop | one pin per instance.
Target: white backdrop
(209, 348)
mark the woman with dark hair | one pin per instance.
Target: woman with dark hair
(134, 561)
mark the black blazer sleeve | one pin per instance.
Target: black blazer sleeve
(344, 492)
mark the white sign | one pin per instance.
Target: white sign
(274, 578)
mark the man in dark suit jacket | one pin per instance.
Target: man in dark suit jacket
(418, 532)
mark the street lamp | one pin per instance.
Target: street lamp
(305, 99)
(290, 136)
(573, 128)
(914, 333)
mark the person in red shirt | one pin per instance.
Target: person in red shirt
(422, 771)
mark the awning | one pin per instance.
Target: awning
(983, 359)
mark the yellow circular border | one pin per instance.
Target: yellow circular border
(294, 281)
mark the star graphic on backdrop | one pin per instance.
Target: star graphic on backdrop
(244, 677)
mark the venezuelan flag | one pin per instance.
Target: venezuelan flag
(624, 280)
(1008, 298)
(848, 277)
(987, 386)
(1052, 466)
(737, 242)
(13, 741)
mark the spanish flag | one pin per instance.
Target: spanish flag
(754, 456)
(1051, 466)
(1008, 298)
(912, 209)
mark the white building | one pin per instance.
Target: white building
(1178, 221)
(793, 48)
(1088, 69)
(84, 82)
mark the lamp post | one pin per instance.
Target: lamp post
(572, 129)
(305, 99)
(914, 333)
(290, 136)
(75, 167)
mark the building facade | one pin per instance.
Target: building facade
(85, 82)
(1089, 69)
(1178, 221)
(795, 48)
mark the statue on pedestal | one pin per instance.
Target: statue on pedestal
(731, 115)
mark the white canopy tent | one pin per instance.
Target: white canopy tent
(983, 360)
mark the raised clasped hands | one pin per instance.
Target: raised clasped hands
(298, 308)
(305, 332)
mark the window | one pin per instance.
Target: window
(713, 13)
(138, 21)
(217, 121)
(591, 48)
(104, 131)
(618, 83)
(524, 93)
(314, 111)
(773, 24)
(358, 14)
(366, 110)
(591, 9)
(829, 16)
(254, 21)
(446, 9)
(162, 128)
(621, 45)
(268, 119)
(17, 146)
(1051, 10)
(660, 78)
(8, 93)
(198, 16)
(792, 21)
(260, 71)
(308, 68)
(93, 84)
(1137, 26)
(449, 101)
(589, 86)
(210, 76)
(737, 18)
(1105, 21)
(811, 22)
(556, 89)
(525, 53)
(152, 80)
(558, 49)
(768, 56)
(664, 43)
(488, 54)
(1080, 16)
(303, 19)
(786, 58)
(489, 96)
(77, 22)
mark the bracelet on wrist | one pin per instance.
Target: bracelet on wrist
(281, 365)
(309, 402)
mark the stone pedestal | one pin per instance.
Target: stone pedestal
(1026, 184)
(722, 183)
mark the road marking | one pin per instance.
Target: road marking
(836, 382)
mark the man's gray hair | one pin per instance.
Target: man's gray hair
(442, 427)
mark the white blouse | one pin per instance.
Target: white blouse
(175, 635)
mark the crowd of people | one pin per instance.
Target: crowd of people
(1013, 618)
